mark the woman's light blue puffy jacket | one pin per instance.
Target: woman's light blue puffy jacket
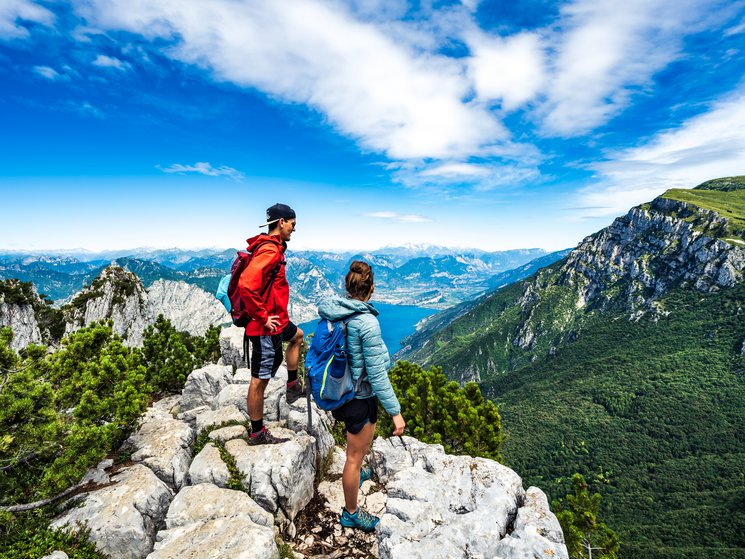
(366, 351)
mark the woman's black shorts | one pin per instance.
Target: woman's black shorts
(357, 413)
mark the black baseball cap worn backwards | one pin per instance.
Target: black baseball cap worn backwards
(276, 212)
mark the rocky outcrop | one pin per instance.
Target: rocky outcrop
(170, 503)
(21, 319)
(118, 295)
(163, 443)
(189, 308)
(652, 249)
(206, 521)
(454, 506)
(124, 517)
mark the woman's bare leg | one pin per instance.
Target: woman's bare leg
(357, 447)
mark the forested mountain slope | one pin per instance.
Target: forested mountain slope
(625, 362)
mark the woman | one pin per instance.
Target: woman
(369, 362)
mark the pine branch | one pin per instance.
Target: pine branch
(80, 488)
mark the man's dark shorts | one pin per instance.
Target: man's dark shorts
(357, 413)
(266, 352)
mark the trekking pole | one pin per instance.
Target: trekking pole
(307, 399)
(401, 438)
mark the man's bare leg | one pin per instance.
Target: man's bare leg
(293, 350)
(255, 398)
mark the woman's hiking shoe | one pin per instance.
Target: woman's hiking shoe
(360, 519)
(264, 437)
(294, 391)
(365, 474)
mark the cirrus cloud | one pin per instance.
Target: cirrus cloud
(204, 168)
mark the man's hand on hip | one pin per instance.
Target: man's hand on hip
(272, 322)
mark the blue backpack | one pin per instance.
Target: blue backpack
(326, 365)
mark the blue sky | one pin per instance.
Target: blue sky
(495, 125)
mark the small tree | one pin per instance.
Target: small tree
(586, 536)
(440, 411)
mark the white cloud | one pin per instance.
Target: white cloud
(392, 99)
(204, 168)
(707, 146)
(12, 12)
(456, 170)
(606, 48)
(47, 72)
(510, 69)
(110, 62)
(403, 218)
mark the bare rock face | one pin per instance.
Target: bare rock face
(206, 521)
(163, 443)
(17, 302)
(231, 346)
(280, 476)
(122, 518)
(116, 294)
(21, 319)
(203, 385)
(450, 506)
(188, 307)
(208, 467)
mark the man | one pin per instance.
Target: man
(264, 290)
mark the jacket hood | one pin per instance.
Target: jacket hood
(262, 237)
(339, 308)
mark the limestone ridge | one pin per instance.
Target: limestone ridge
(117, 294)
(17, 310)
(167, 503)
(693, 239)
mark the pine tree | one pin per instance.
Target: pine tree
(440, 411)
(586, 536)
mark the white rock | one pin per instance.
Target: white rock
(117, 295)
(337, 462)
(228, 433)
(163, 444)
(297, 420)
(442, 506)
(208, 467)
(231, 347)
(21, 319)
(242, 376)
(56, 555)
(235, 537)
(278, 476)
(206, 521)
(205, 501)
(203, 385)
(99, 475)
(219, 416)
(234, 395)
(188, 307)
(122, 518)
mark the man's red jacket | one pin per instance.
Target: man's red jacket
(268, 253)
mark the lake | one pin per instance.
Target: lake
(396, 322)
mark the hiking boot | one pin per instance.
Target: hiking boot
(265, 437)
(365, 474)
(294, 392)
(360, 519)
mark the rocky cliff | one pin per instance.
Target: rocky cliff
(194, 487)
(17, 302)
(693, 239)
(118, 295)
